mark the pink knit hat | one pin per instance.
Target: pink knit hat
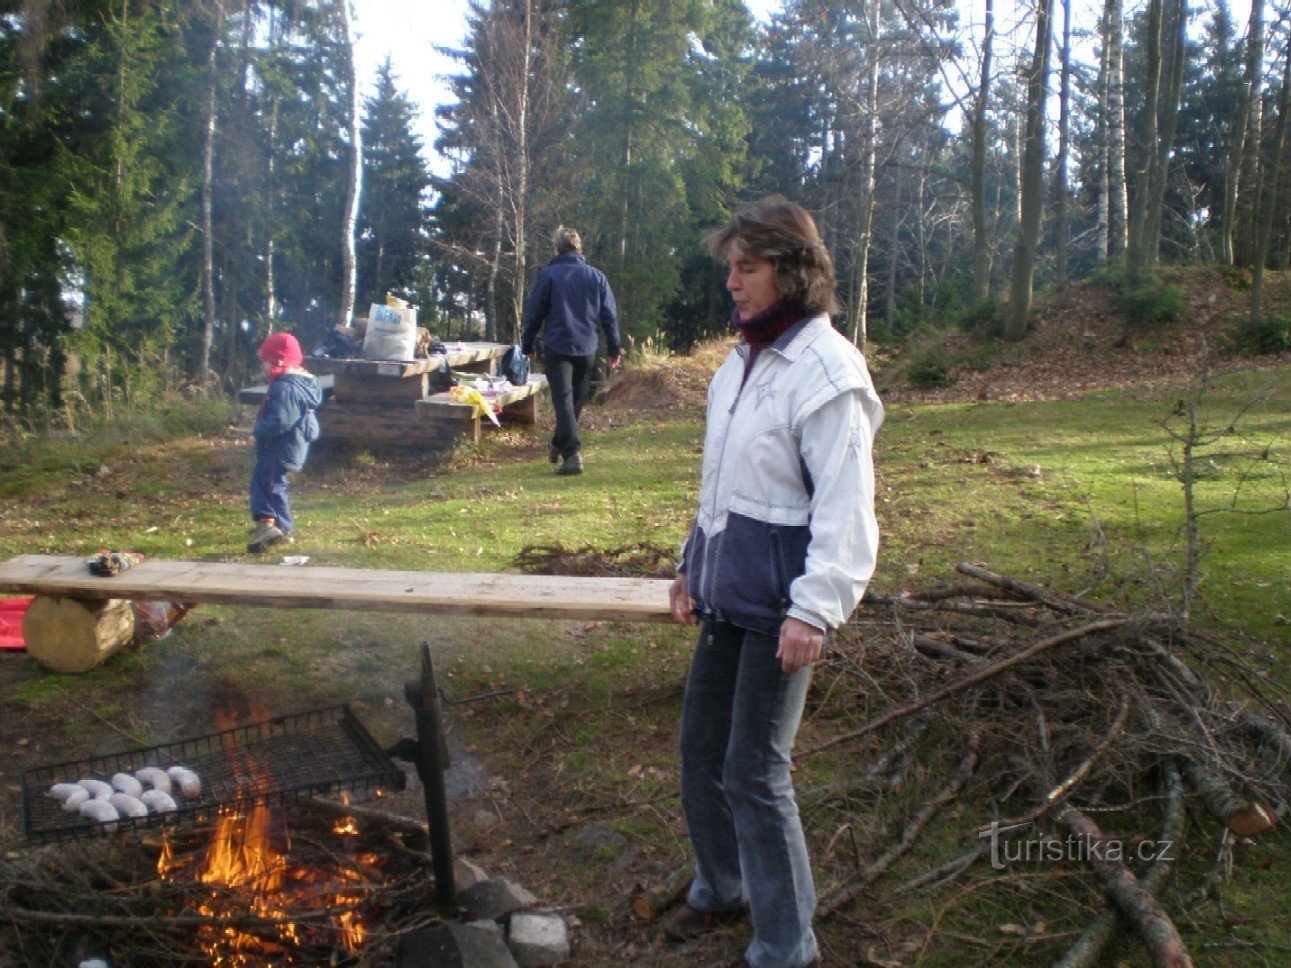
(282, 352)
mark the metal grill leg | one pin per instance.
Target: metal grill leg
(423, 695)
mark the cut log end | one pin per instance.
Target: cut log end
(69, 635)
(1252, 820)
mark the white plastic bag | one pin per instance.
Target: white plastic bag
(392, 333)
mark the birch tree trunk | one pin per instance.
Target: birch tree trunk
(865, 226)
(1032, 201)
(1102, 144)
(203, 367)
(349, 262)
(520, 198)
(981, 238)
(1118, 195)
(1064, 132)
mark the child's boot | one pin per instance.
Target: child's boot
(267, 533)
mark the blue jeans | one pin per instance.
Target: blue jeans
(738, 724)
(567, 376)
(269, 491)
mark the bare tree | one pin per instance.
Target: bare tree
(1064, 137)
(202, 367)
(1177, 19)
(1268, 194)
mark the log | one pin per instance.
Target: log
(71, 635)
(1245, 819)
(1139, 908)
(1088, 949)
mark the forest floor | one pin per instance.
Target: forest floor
(567, 782)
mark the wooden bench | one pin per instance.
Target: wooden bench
(220, 583)
(519, 404)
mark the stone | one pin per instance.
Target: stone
(454, 945)
(494, 899)
(538, 939)
(467, 874)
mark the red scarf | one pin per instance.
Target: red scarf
(765, 328)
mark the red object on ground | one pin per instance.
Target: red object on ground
(11, 612)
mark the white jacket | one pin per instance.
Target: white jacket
(786, 520)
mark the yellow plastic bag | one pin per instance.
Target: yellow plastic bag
(460, 394)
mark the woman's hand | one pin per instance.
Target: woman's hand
(800, 645)
(679, 603)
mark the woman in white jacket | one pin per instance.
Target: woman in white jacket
(783, 544)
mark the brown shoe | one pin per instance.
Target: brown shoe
(814, 963)
(688, 923)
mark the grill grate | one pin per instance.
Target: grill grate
(280, 759)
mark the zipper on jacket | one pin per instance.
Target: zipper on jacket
(779, 573)
(741, 350)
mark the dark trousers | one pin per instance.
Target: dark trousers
(269, 491)
(568, 377)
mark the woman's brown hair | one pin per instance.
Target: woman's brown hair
(785, 234)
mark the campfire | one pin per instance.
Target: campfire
(257, 870)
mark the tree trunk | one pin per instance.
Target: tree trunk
(1246, 106)
(981, 238)
(1032, 201)
(1064, 131)
(1102, 144)
(1166, 124)
(1268, 203)
(1145, 157)
(203, 363)
(520, 203)
(349, 262)
(865, 221)
(1119, 189)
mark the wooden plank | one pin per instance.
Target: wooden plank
(472, 356)
(442, 593)
(356, 388)
(256, 394)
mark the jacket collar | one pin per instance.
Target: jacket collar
(569, 257)
(798, 337)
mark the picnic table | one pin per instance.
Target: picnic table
(407, 403)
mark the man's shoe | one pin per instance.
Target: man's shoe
(267, 533)
(553, 453)
(573, 464)
(688, 923)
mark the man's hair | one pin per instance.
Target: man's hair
(565, 239)
(785, 234)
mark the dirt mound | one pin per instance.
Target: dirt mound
(639, 390)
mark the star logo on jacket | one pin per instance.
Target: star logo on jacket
(766, 391)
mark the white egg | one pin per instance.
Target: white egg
(102, 811)
(158, 801)
(64, 790)
(74, 799)
(127, 784)
(154, 777)
(127, 805)
(190, 784)
(98, 789)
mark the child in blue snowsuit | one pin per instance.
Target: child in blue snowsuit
(285, 428)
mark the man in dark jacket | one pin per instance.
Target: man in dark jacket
(568, 302)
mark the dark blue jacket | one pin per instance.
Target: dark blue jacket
(568, 301)
(287, 424)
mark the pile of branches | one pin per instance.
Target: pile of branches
(105, 897)
(1068, 709)
(1044, 717)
